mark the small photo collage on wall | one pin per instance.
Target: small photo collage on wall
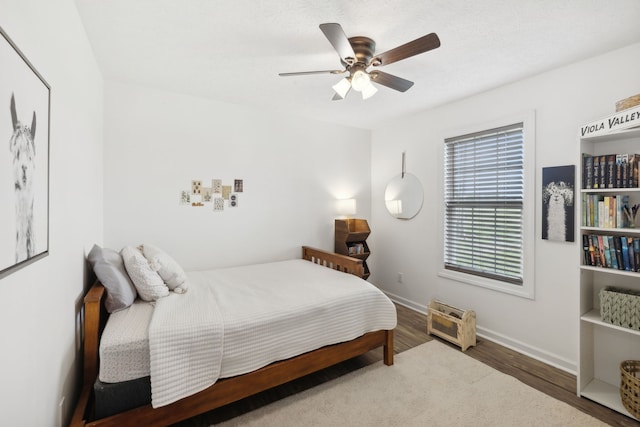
(213, 194)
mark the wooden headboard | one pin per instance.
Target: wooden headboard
(94, 319)
(335, 261)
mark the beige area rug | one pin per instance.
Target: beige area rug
(429, 385)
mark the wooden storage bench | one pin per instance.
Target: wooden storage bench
(452, 324)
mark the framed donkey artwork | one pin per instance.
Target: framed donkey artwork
(24, 160)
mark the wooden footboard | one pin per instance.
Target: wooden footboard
(228, 390)
(335, 261)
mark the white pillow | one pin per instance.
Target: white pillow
(170, 271)
(148, 283)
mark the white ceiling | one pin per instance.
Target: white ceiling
(233, 50)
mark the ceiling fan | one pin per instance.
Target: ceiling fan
(357, 54)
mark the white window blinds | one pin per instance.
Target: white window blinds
(484, 199)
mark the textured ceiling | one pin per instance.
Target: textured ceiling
(232, 51)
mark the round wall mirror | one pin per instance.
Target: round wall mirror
(403, 196)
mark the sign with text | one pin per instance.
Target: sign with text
(625, 119)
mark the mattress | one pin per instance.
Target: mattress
(124, 346)
(270, 312)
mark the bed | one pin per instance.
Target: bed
(238, 379)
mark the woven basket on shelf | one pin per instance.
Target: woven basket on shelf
(620, 307)
(630, 386)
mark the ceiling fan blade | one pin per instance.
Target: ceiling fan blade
(391, 81)
(407, 50)
(338, 39)
(304, 73)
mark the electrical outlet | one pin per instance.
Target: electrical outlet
(61, 413)
(399, 277)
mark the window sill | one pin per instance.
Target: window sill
(519, 291)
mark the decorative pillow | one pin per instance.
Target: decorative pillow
(109, 267)
(148, 283)
(170, 271)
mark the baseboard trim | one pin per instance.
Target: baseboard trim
(531, 351)
(407, 303)
(505, 341)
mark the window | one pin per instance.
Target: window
(485, 221)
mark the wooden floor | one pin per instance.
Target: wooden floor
(411, 332)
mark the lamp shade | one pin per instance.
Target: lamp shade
(346, 206)
(360, 80)
(342, 87)
(368, 91)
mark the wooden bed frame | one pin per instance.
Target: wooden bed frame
(226, 390)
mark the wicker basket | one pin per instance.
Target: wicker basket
(627, 103)
(620, 307)
(630, 386)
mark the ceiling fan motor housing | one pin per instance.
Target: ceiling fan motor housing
(364, 48)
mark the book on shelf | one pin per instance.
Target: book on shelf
(596, 172)
(587, 171)
(621, 170)
(611, 171)
(624, 164)
(632, 258)
(607, 211)
(603, 259)
(603, 172)
(613, 206)
(634, 172)
(615, 252)
(606, 250)
(585, 250)
(612, 251)
(618, 170)
(601, 216)
(618, 246)
(592, 251)
(625, 253)
(596, 251)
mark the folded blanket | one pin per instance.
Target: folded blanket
(185, 345)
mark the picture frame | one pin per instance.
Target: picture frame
(25, 108)
(558, 203)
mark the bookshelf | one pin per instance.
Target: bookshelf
(603, 346)
(351, 240)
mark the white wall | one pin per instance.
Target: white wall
(293, 170)
(38, 304)
(563, 99)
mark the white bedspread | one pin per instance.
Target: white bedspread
(268, 312)
(279, 310)
(185, 345)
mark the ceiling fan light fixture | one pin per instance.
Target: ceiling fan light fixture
(359, 53)
(342, 87)
(360, 80)
(368, 91)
